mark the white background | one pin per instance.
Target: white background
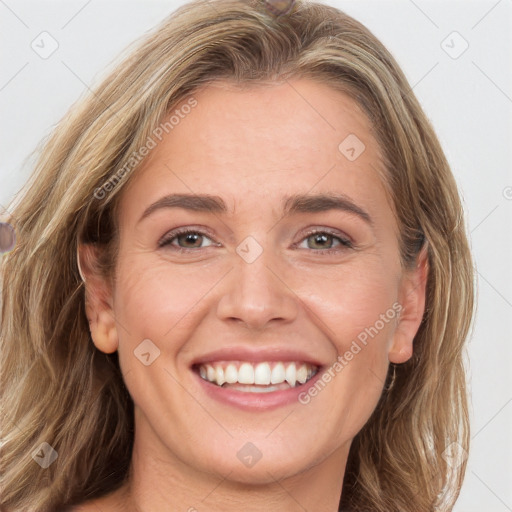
(468, 99)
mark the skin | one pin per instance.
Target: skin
(253, 147)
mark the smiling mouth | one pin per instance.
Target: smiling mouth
(263, 377)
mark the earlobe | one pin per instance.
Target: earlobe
(104, 332)
(98, 301)
(400, 354)
(412, 300)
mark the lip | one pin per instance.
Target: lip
(256, 356)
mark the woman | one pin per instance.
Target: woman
(241, 280)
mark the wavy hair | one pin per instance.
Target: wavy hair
(57, 388)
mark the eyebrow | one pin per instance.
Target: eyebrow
(299, 203)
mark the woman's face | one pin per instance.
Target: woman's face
(290, 271)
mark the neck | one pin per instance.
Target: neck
(157, 481)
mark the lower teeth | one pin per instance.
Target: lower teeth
(257, 389)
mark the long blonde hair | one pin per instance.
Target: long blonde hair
(58, 389)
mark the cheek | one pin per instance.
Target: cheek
(355, 302)
(153, 299)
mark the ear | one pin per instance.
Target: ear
(412, 299)
(98, 300)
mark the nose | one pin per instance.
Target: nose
(257, 295)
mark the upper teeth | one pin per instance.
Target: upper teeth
(258, 373)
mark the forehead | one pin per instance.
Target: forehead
(259, 142)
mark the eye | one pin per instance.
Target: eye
(185, 239)
(325, 241)
(190, 239)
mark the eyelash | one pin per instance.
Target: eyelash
(167, 239)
